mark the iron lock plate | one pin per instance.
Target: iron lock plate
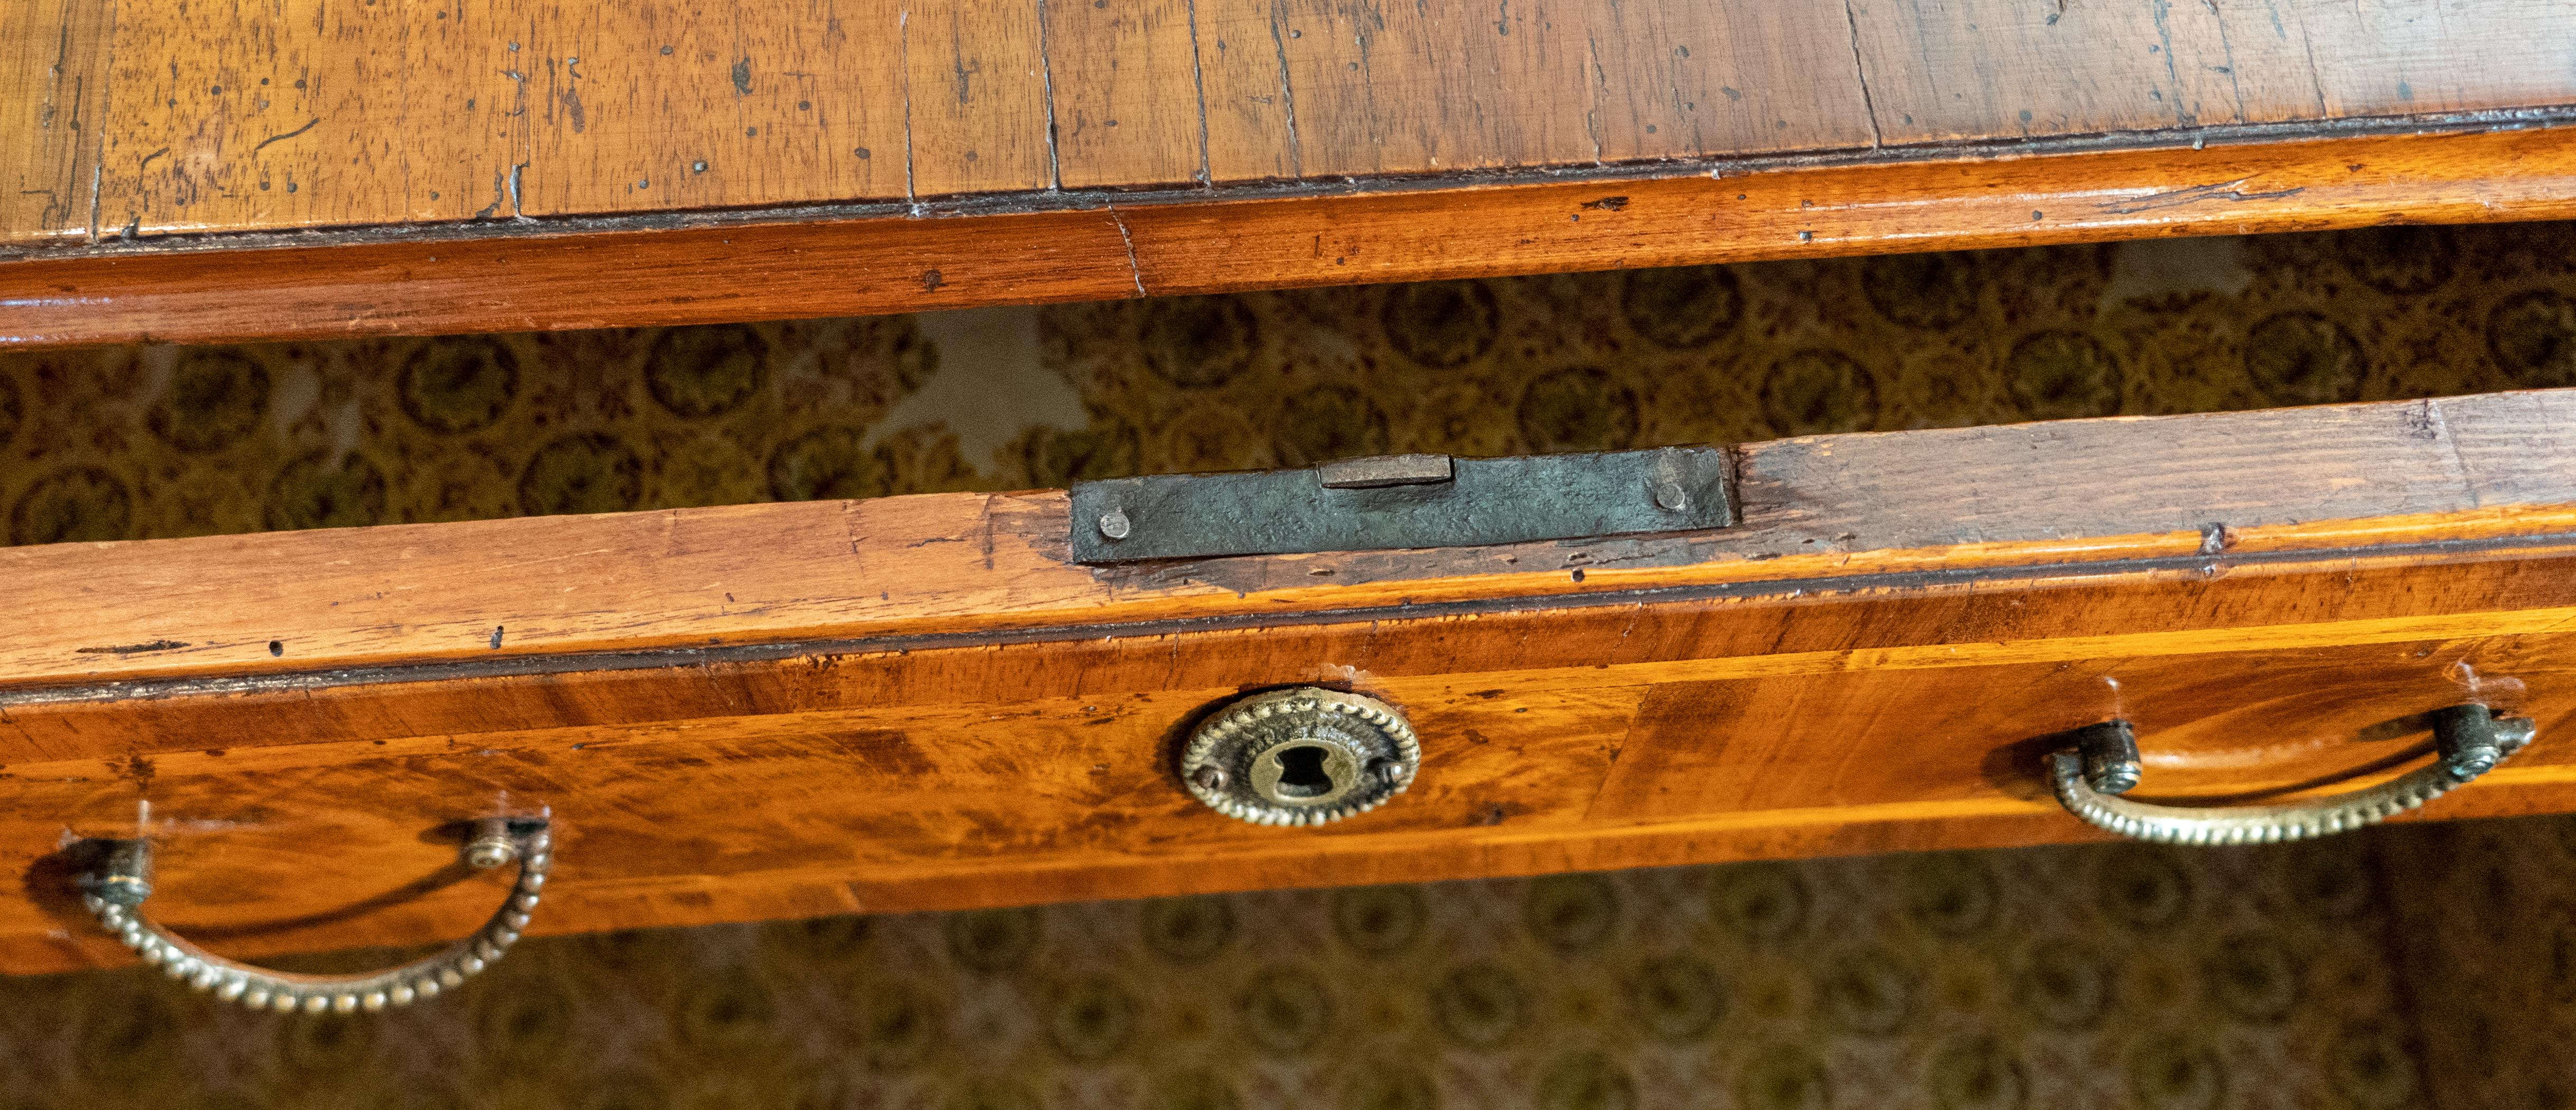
(1402, 501)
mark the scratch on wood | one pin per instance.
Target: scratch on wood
(2160, 12)
(1198, 82)
(984, 517)
(903, 51)
(2433, 426)
(309, 124)
(1287, 97)
(1860, 73)
(1600, 89)
(1135, 272)
(1046, 82)
(2224, 191)
(132, 649)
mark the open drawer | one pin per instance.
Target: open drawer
(924, 702)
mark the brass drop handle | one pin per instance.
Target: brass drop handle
(2469, 741)
(116, 891)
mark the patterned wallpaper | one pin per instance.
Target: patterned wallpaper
(2400, 968)
(2093, 977)
(163, 441)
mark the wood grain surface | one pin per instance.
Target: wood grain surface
(911, 703)
(129, 126)
(722, 271)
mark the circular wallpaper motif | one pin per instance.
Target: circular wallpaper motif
(528, 1026)
(320, 491)
(1784, 1079)
(2533, 338)
(1816, 391)
(585, 473)
(1922, 291)
(1379, 920)
(2330, 881)
(827, 463)
(2407, 261)
(216, 397)
(2062, 985)
(1389, 1086)
(1678, 998)
(1572, 912)
(2058, 375)
(1478, 1005)
(904, 1025)
(726, 1012)
(2175, 1073)
(1194, 1090)
(992, 942)
(1977, 1075)
(456, 386)
(1326, 423)
(1681, 309)
(706, 371)
(1443, 323)
(1577, 409)
(2302, 358)
(1950, 894)
(1199, 342)
(2252, 977)
(72, 506)
(1284, 1011)
(1588, 1081)
(1093, 1018)
(2373, 1068)
(2141, 888)
(1865, 992)
(1760, 902)
(1188, 930)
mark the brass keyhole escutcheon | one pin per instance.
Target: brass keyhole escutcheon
(1301, 756)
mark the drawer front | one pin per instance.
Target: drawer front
(1047, 770)
(920, 703)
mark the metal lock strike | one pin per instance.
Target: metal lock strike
(1402, 501)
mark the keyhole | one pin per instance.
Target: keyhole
(1301, 772)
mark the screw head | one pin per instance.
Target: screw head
(490, 853)
(1114, 525)
(1210, 778)
(1670, 497)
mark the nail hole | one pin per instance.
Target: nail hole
(277, 647)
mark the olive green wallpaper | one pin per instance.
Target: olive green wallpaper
(150, 442)
(2095, 977)
(2376, 971)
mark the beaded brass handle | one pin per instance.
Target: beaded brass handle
(2469, 739)
(116, 893)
